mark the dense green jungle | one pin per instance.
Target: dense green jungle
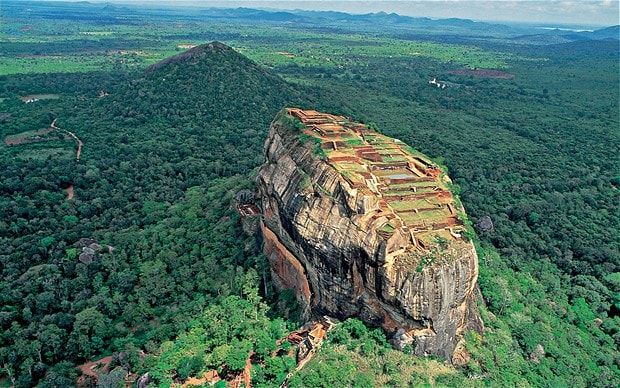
(527, 125)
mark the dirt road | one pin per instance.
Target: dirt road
(77, 139)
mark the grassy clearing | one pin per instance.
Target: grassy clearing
(324, 50)
(83, 63)
(409, 204)
(387, 228)
(354, 142)
(351, 176)
(434, 215)
(428, 216)
(394, 173)
(40, 97)
(351, 167)
(25, 136)
(56, 149)
(52, 64)
(400, 192)
(399, 186)
(394, 159)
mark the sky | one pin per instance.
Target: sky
(587, 12)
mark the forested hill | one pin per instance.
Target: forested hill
(164, 153)
(210, 80)
(214, 101)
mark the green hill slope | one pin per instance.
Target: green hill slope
(212, 82)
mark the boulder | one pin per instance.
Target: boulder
(244, 196)
(88, 255)
(485, 224)
(537, 354)
(144, 380)
(85, 242)
(95, 247)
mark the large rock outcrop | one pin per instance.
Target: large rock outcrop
(361, 225)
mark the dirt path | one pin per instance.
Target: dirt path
(77, 139)
(78, 153)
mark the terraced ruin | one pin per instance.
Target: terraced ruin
(411, 192)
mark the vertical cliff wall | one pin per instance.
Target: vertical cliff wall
(361, 225)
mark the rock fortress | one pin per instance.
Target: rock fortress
(359, 224)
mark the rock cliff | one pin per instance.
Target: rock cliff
(361, 225)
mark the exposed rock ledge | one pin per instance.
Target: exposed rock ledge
(361, 225)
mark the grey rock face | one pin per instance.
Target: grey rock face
(319, 244)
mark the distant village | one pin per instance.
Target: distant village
(440, 84)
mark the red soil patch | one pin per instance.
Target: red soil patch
(93, 368)
(69, 191)
(483, 73)
(210, 377)
(452, 221)
(247, 373)
(445, 194)
(346, 158)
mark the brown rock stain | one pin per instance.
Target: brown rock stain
(289, 271)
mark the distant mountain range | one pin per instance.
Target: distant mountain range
(612, 32)
(562, 36)
(381, 22)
